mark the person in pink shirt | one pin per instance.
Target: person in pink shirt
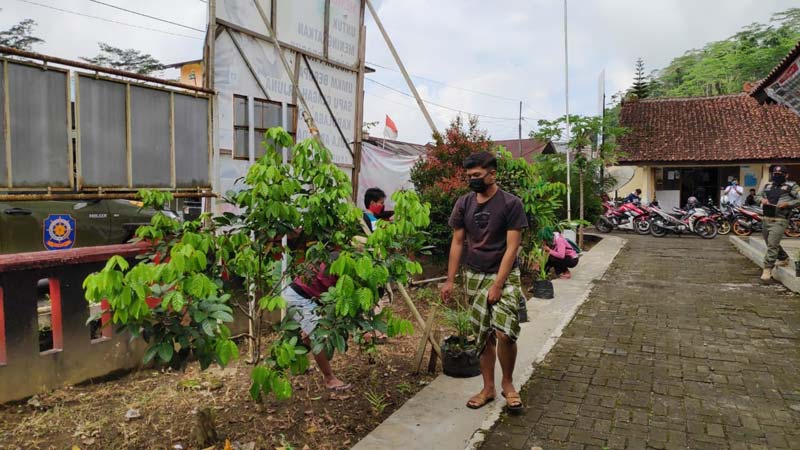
(562, 256)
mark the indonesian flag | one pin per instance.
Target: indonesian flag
(390, 129)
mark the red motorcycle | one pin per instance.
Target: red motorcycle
(627, 216)
(749, 222)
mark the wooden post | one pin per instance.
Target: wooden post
(402, 68)
(417, 316)
(418, 357)
(358, 147)
(433, 359)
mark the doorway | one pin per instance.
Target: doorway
(700, 182)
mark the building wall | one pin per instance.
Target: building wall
(640, 180)
(192, 74)
(324, 75)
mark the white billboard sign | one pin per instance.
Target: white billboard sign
(343, 35)
(301, 23)
(232, 77)
(339, 88)
(244, 13)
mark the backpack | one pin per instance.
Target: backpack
(574, 246)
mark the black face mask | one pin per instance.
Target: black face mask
(778, 178)
(478, 185)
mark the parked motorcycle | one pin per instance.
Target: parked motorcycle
(750, 221)
(724, 218)
(793, 230)
(628, 216)
(694, 221)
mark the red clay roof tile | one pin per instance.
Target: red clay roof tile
(724, 128)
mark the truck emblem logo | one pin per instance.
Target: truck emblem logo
(59, 232)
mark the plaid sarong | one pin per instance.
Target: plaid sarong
(503, 316)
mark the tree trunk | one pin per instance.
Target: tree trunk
(580, 214)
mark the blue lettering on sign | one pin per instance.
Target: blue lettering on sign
(59, 232)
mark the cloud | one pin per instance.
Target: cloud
(515, 49)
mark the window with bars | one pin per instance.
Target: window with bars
(268, 114)
(241, 128)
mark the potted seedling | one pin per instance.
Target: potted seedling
(542, 286)
(459, 353)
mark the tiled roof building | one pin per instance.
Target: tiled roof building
(728, 128)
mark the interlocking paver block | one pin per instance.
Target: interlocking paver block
(670, 352)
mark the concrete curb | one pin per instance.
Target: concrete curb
(755, 249)
(437, 417)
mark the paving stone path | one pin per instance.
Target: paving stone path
(677, 347)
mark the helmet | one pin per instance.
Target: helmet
(778, 169)
(692, 200)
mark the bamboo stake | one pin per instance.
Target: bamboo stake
(418, 316)
(420, 355)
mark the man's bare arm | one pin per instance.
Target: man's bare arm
(513, 239)
(456, 250)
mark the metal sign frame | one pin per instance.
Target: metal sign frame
(129, 138)
(7, 137)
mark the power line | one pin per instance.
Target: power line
(148, 16)
(490, 122)
(390, 100)
(439, 105)
(515, 100)
(108, 20)
(447, 84)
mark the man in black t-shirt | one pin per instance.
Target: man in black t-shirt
(487, 229)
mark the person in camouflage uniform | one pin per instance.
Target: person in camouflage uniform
(777, 199)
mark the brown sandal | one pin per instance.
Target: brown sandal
(513, 402)
(479, 401)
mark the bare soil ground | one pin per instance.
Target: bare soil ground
(92, 416)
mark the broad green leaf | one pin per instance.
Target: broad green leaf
(165, 351)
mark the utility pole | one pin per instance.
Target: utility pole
(519, 143)
(402, 68)
(566, 100)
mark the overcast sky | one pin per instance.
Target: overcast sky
(507, 48)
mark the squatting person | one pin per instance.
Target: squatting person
(562, 256)
(777, 200)
(301, 300)
(490, 222)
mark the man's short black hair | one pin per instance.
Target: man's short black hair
(484, 160)
(638, 191)
(752, 190)
(373, 195)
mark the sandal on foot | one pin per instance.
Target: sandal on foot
(513, 402)
(340, 388)
(479, 401)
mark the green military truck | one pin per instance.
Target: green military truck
(32, 226)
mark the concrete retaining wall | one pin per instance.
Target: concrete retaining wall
(75, 356)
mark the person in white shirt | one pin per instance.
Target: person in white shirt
(734, 193)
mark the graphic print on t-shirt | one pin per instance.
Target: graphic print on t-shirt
(482, 219)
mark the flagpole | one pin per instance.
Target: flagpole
(566, 100)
